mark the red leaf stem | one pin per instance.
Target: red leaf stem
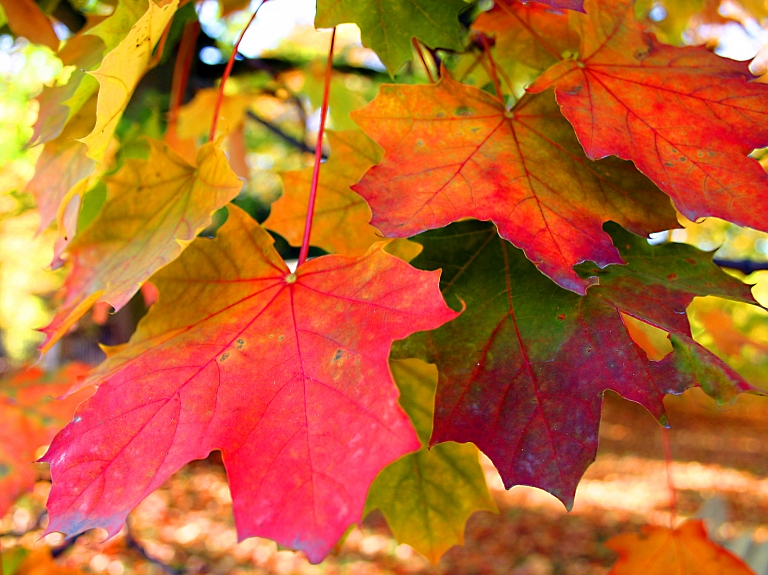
(494, 74)
(228, 71)
(318, 154)
(670, 481)
(181, 72)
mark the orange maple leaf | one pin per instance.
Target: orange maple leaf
(453, 151)
(685, 550)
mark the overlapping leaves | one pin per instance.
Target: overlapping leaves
(428, 496)
(686, 117)
(154, 208)
(460, 153)
(285, 373)
(523, 369)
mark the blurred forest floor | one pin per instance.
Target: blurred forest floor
(720, 471)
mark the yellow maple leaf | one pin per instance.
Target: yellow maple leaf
(121, 70)
(154, 208)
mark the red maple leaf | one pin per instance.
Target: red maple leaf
(686, 117)
(286, 373)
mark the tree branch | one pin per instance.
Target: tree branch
(282, 135)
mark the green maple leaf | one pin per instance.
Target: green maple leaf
(388, 27)
(427, 496)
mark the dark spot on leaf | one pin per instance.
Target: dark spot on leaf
(224, 357)
(691, 261)
(463, 111)
(561, 316)
(337, 356)
(281, 338)
(671, 277)
(240, 343)
(683, 158)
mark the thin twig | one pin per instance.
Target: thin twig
(744, 266)
(228, 71)
(277, 131)
(318, 154)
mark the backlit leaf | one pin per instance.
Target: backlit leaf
(31, 417)
(685, 550)
(341, 216)
(154, 208)
(388, 27)
(459, 153)
(84, 52)
(286, 373)
(529, 38)
(522, 371)
(686, 117)
(26, 19)
(64, 171)
(428, 496)
(121, 70)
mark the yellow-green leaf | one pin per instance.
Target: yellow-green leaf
(154, 208)
(428, 496)
(121, 70)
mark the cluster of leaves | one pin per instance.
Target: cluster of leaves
(530, 209)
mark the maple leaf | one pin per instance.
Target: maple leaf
(83, 52)
(685, 550)
(388, 27)
(460, 153)
(341, 217)
(523, 369)
(285, 373)
(25, 18)
(154, 208)
(529, 38)
(686, 117)
(31, 417)
(120, 71)
(195, 117)
(62, 176)
(428, 496)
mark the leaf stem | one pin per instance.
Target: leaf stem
(494, 75)
(670, 482)
(181, 73)
(420, 52)
(318, 154)
(228, 71)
